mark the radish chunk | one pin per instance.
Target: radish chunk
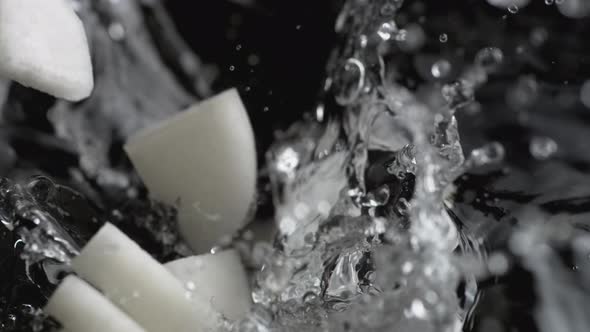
(43, 45)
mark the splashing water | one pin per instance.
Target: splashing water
(382, 223)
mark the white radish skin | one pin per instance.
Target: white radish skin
(43, 45)
(218, 278)
(80, 308)
(204, 160)
(140, 286)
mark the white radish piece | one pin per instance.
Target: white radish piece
(218, 278)
(204, 159)
(78, 307)
(140, 286)
(43, 45)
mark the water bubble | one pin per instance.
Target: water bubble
(287, 161)
(309, 297)
(116, 31)
(403, 206)
(418, 310)
(539, 36)
(387, 30)
(253, 60)
(443, 38)
(363, 40)
(349, 81)
(489, 58)
(378, 197)
(513, 9)
(287, 225)
(301, 210)
(319, 112)
(441, 69)
(498, 264)
(42, 188)
(573, 8)
(524, 94)
(458, 93)
(232, 68)
(415, 38)
(491, 153)
(542, 147)
(407, 267)
(190, 286)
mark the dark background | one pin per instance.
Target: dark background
(274, 52)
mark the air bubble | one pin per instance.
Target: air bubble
(443, 38)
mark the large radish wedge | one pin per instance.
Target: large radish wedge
(141, 286)
(204, 161)
(78, 307)
(43, 45)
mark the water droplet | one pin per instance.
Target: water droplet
(542, 148)
(407, 267)
(238, 47)
(489, 58)
(440, 69)
(378, 197)
(265, 109)
(539, 36)
(524, 93)
(232, 68)
(488, 154)
(349, 81)
(190, 286)
(42, 188)
(319, 112)
(309, 297)
(116, 31)
(287, 161)
(443, 38)
(253, 60)
(498, 264)
(418, 310)
(301, 210)
(458, 93)
(513, 9)
(414, 38)
(387, 30)
(363, 41)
